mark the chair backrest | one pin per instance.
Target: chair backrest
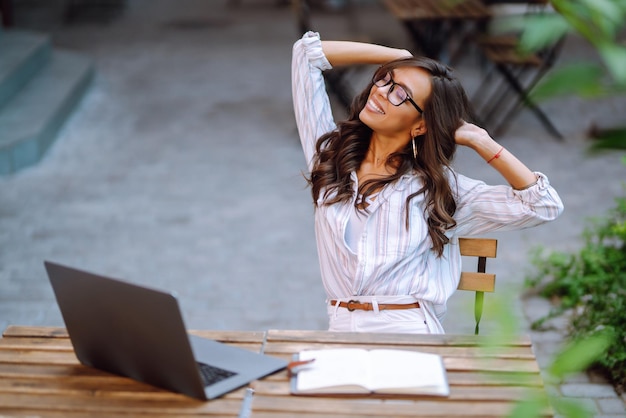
(478, 281)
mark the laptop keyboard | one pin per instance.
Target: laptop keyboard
(212, 374)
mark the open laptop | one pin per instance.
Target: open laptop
(139, 332)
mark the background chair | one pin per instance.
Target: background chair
(496, 103)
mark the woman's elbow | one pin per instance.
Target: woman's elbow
(551, 210)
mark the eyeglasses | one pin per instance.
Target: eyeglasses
(396, 95)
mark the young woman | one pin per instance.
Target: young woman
(388, 207)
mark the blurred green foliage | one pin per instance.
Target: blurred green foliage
(602, 24)
(577, 356)
(590, 287)
(574, 358)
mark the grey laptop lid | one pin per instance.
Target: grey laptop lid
(139, 332)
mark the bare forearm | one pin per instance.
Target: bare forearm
(346, 53)
(515, 172)
(512, 169)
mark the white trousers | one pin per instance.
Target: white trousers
(409, 321)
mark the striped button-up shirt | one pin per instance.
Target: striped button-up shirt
(389, 259)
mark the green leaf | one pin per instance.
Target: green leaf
(614, 56)
(571, 408)
(542, 31)
(577, 16)
(585, 80)
(607, 15)
(532, 407)
(610, 139)
(579, 355)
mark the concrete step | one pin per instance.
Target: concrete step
(22, 55)
(30, 121)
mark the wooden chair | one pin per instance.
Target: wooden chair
(478, 281)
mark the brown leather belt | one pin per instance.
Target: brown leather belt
(367, 306)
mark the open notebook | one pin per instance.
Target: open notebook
(354, 370)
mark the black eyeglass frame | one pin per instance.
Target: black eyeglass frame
(377, 80)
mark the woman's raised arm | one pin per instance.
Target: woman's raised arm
(347, 52)
(513, 170)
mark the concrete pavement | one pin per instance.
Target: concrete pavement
(182, 168)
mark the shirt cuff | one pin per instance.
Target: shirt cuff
(535, 189)
(314, 53)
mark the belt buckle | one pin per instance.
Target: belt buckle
(349, 305)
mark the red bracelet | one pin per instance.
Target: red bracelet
(496, 156)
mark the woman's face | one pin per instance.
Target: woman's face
(383, 117)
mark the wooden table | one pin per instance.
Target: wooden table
(40, 376)
(432, 23)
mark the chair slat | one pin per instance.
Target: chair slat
(479, 282)
(478, 247)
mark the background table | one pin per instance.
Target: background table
(40, 376)
(432, 23)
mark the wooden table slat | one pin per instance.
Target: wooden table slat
(111, 387)
(49, 370)
(38, 357)
(14, 413)
(491, 365)
(524, 353)
(395, 339)
(229, 337)
(37, 343)
(82, 385)
(455, 378)
(40, 404)
(225, 336)
(475, 392)
(25, 331)
(389, 407)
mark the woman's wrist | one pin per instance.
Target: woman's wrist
(495, 156)
(486, 146)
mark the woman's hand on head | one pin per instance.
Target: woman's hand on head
(470, 135)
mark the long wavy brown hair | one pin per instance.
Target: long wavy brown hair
(340, 152)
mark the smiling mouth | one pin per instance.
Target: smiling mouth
(374, 106)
